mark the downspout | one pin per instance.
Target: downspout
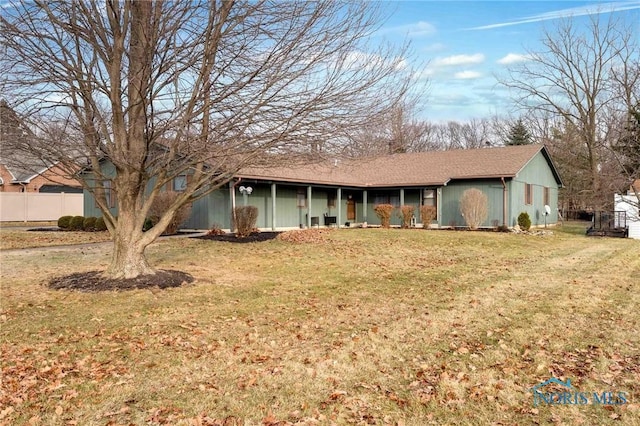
(233, 205)
(504, 202)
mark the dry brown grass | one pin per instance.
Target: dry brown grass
(19, 239)
(370, 326)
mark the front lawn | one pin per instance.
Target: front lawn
(11, 239)
(365, 326)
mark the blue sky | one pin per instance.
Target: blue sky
(466, 43)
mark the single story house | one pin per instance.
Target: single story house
(344, 192)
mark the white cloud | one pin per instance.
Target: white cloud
(417, 29)
(435, 47)
(513, 58)
(477, 58)
(420, 29)
(401, 64)
(467, 75)
(357, 59)
(591, 9)
(422, 74)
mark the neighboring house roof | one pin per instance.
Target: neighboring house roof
(635, 186)
(14, 142)
(410, 169)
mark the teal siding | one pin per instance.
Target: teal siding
(89, 204)
(539, 175)
(212, 209)
(452, 193)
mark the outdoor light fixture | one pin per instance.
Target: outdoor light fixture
(547, 212)
(245, 190)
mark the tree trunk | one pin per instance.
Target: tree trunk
(128, 261)
(129, 243)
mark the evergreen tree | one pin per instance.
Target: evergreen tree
(628, 146)
(518, 134)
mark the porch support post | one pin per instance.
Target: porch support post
(504, 202)
(309, 206)
(401, 196)
(273, 206)
(232, 198)
(439, 207)
(364, 205)
(339, 205)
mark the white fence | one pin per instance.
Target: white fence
(34, 206)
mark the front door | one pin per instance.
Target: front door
(351, 210)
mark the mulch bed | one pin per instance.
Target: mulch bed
(93, 281)
(256, 237)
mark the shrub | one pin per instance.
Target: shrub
(64, 222)
(76, 223)
(89, 224)
(161, 204)
(246, 218)
(427, 214)
(216, 229)
(383, 211)
(474, 206)
(406, 213)
(100, 226)
(524, 221)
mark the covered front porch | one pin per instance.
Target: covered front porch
(283, 205)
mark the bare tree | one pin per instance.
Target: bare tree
(570, 79)
(398, 131)
(476, 133)
(625, 123)
(625, 151)
(200, 88)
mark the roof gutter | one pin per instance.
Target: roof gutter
(504, 202)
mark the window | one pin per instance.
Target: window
(331, 200)
(430, 198)
(180, 183)
(546, 196)
(386, 198)
(302, 199)
(528, 193)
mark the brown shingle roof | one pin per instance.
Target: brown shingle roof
(411, 169)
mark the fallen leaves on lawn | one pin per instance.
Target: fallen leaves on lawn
(305, 236)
